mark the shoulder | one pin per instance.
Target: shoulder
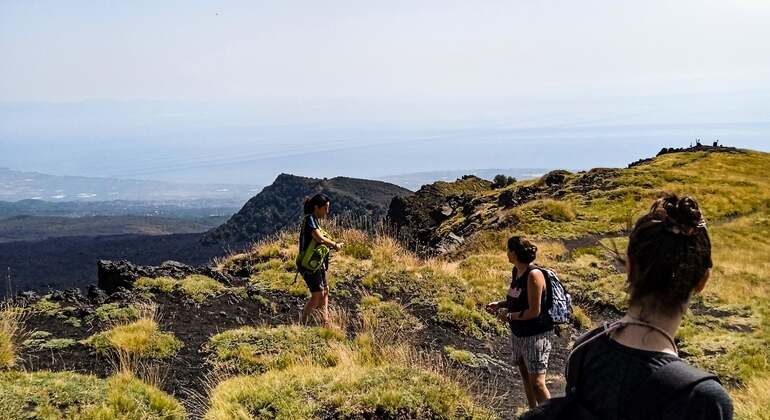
(536, 275)
(711, 400)
(707, 400)
(312, 222)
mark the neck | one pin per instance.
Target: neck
(521, 267)
(645, 338)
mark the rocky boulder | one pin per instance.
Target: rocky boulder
(113, 275)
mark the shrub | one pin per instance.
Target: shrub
(359, 251)
(387, 320)
(502, 181)
(163, 284)
(463, 357)
(258, 349)
(580, 318)
(45, 306)
(57, 395)
(553, 210)
(141, 338)
(113, 312)
(197, 287)
(280, 280)
(345, 391)
(469, 321)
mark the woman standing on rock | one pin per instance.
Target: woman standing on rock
(630, 369)
(313, 257)
(525, 311)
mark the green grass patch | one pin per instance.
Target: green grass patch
(470, 321)
(196, 287)
(282, 281)
(141, 338)
(359, 251)
(68, 395)
(309, 392)
(115, 312)
(258, 349)
(463, 357)
(388, 319)
(46, 307)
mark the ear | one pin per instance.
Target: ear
(702, 283)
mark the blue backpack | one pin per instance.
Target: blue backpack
(558, 301)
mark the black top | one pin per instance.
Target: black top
(611, 373)
(517, 301)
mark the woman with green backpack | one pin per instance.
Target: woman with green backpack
(313, 258)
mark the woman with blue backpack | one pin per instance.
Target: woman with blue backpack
(630, 368)
(313, 258)
(525, 311)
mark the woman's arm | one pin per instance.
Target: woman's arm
(535, 287)
(323, 240)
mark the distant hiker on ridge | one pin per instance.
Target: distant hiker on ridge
(630, 369)
(313, 258)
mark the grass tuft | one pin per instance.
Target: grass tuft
(55, 395)
(258, 349)
(349, 391)
(10, 326)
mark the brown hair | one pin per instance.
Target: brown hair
(311, 203)
(669, 253)
(525, 250)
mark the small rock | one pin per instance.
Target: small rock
(96, 295)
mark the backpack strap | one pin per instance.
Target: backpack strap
(665, 384)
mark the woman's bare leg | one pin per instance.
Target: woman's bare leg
(531, 401)
(539, 389)
(316, 300)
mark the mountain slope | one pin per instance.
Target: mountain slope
(416, 317)
(280, 205)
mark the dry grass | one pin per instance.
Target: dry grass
(10, 327)
(140, 339)
(752, 402)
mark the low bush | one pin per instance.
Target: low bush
(141, 338)
(68, 395)
(470, 321)
(387, 320)
(345, 391)
(258, 349)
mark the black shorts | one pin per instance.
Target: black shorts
(316, 281)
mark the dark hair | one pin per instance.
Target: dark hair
(525, 250)
(318, 200)
(669, 253)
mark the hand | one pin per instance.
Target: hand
(491, 307)
(502, 315)
(338, 245)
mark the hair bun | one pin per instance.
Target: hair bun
(680, 215)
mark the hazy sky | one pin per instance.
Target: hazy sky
(164, 82)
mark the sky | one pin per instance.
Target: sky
(239, 91)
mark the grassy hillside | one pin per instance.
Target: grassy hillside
(409, 337)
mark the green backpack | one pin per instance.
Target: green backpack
(312, 258)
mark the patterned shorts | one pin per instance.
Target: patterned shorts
(533, 350)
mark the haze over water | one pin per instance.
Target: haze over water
(238, 93)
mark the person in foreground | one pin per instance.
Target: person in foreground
(531, 327)
(313, 257)
(630, 369)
